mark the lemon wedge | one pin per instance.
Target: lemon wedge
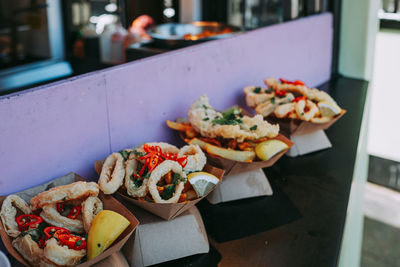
(328, 109)
(267, 149)
(106, 227)
(202, 182)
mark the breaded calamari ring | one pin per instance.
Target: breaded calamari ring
(53, 217)
(306, 115)
(90, 207)
(131, 188)
(282, 111)
(29, 249)
(196, 159)
(112, 174)
(161, 170)
(63, 193)
(61, 255)
(254, 99)
(165, 147)
(8, 213)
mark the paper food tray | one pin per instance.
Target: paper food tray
(166, 211)
(109, 203)
(298, 127)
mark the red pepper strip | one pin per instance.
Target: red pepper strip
(280, 92)
(154, 157)
(182, 161)
(55, 231)
(74, 212)
(284, 80)
(297, 99)
(60, 207)
(42, 242)
(296, 82)
(72, 241)
(25, 220)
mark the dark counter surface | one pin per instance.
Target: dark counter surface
(319, 185)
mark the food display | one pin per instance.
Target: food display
(206, 33)
(293, 100)
(230, 134)
(158, 173)
(60, 227)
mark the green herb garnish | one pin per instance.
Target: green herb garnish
(138, 153)
(125, 154)
(137, 182)
(302, 114)
(257, 90)
(205, 107)
(206, 119)
(168, 192)
(273, 100)
(78, 243)
(229, 117)
(269, 90)
(253, 128)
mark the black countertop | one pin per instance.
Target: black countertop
(319, 185)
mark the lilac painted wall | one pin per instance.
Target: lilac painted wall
(65, 126)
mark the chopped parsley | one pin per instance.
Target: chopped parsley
(269, 90)
(206, 119)
(205, 107)
(273, 100)
(302, 114)
(125, 154)
(138, 153)
(78, 243)
(177, 178)
(137, 181)
(168, 192)
(229, 117)
(257, 90)
(281, 96)
(253, 128)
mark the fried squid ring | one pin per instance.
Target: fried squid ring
(29, 249)
(131, 188)
(310, 113)
(112, 174)
(61, 255)
(63, 193)
(53, 217)
(282, 111)
(196, 159)
(161, 170)
(90, 207)
(8, 213)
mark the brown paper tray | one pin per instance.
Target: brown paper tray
(298, 127)
(109, 203)
(166, 211)
(234, 167)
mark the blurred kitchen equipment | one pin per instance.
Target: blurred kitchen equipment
(181, 35)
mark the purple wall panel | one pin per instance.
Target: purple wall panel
(49, 131)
